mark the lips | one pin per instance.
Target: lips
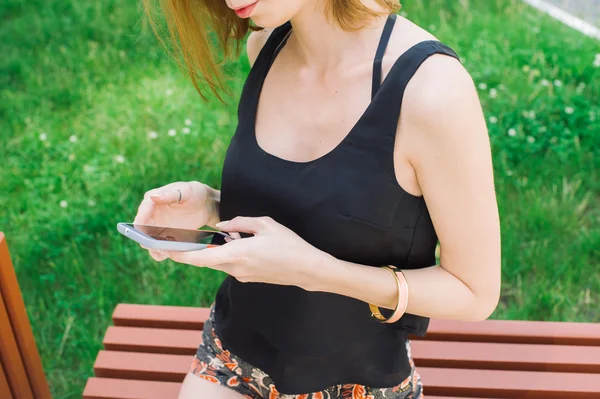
(245, 12)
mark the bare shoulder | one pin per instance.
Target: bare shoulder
(256, 41)
(441, 100)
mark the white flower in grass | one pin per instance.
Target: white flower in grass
(71, 157)
(172, 132)
(482, 86)
(558, 83)
(532, 114)
(168, 92)
(543, 129)
(73, 139)
(119, 158)
(536, 29)
(185, 130)
(188, 122)
(152, 135)
(526, 68)
(580, 88)
(493, 120)
(493, 93)
(509, 172)
(597, 61)
(530, 139)
(512, 132)
(63, 204)
(91, 202)
(553, 139)
(545, 82)
(43, 136)
(592, 116)
(569, 110)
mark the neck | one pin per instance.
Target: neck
(321, 45)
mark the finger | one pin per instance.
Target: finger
(235, 234)
(158, 255)
(245, 224)
(170, 194)
(145, 212)
(211, 257)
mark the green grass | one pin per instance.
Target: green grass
(91, 70)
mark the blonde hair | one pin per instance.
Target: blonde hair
(191, 23)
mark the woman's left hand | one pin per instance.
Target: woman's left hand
(274, 255)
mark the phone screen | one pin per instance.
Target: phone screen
(182, 235)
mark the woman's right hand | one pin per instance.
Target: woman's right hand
(160, 207)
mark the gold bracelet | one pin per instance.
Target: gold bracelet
(376, 313)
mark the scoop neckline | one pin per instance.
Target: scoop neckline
(256, 99)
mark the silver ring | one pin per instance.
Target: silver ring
(179, 195)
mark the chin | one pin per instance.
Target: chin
(267, 22)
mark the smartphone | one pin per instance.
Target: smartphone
(173, 239)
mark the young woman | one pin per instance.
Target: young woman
(361, 143)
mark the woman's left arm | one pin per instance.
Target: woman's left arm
(453, 163)
(451, 155)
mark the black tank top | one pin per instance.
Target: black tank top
(347, 203)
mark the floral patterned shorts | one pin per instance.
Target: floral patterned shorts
(218, 365)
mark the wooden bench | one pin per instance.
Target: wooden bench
(149, 350)
(21, 372)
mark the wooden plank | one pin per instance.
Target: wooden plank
(177, 317)
(509, 384)
(110, 388)
(500, 356)
(510, 331)
(5, 392)
(152, 340)
(514, 331)
(9, 287)
(437, 381)
(531, 357)
(142, 366)
(11, 357)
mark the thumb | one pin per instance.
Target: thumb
(244, 224)
(166, 196)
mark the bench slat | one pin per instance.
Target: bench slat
(178, 317)
(510, 331)
(109, 388)
(438, 381)
(531, 357)
(502, 356)
(509, 384)
(152, 340)
(515, 331)
(35, 380)
(10, 356)
(142, 366)
(4, 388)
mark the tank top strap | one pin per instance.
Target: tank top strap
(380, 121)
(260, 68)
(383, 42)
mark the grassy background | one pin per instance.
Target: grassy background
(83, 85)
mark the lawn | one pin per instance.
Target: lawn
(93, 113)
